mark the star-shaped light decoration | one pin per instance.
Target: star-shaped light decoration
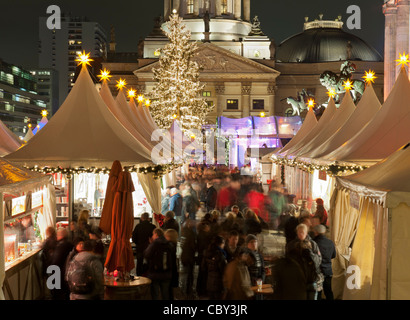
(140, 98)
(147, 102)
(131, 93)
(348, 85)
(29, 125)
(105, 75)
(369, 76)
(310, 103)
(121, 84)
(84, 59)
(331, 93)
(44, 113)
(403, 60)
(174, 116)
(262, 114)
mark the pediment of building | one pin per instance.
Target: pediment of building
(213, 60)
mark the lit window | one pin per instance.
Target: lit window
(232, 104)
(224, 6)
(157, 52)
(190, 6)
(206, 93)
(258, 104)
(256, 54)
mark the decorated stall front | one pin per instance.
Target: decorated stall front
(27, 208)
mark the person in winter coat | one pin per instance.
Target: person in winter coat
(141, 236)
(190, 205)
(237, 281)
(328, 252)
(86, 259)
(306, 252)
(257, 266)
(170, 222)
(175, 204)
(204, 238)
(215, 259)
(188, 250)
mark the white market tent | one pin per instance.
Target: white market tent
(9, 142)
(84, 133)
(373, 208)
(28, 135)
(347, 107)
(388, 130)
(367, 107)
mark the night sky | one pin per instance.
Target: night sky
(134, 19)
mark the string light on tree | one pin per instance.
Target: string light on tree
(177, 91)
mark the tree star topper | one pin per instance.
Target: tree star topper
(84, 59)
(105, 75)
(403, 60)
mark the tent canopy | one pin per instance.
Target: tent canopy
(388, 130)
(83, 133)
(9, 141)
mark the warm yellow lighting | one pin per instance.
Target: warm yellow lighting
(105, 75)
(131, 93)
(147, 102)
(331, 93)
(174, 116)
(193, 136)
(403, 60)
(369, 76)
(262, 114)
(29, 125)
(121, 84)
(348, 85)
(140, 98)
(44, 113)
(84, 59)
(311, 103)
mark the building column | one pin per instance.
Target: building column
(220, 104)
(390, 56)
(237, 9)
(196, 7)
(247, 10)
(167, 9)
(218, 8)
(176, 6)
(402, 27)
(271, 99)
(246, 103)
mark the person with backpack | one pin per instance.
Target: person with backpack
(159, 255)
(85, 275)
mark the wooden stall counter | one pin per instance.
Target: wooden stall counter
(136, 289)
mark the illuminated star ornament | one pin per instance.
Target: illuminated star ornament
(331, 93)
(369, 76)
(44, 113)
(140, 98)
(348, 85)
(84, 59)
(131, 93)
(262, 114)
(147, 102)
(403, 60)
(121, 84)
(105, 75)
(311, 103)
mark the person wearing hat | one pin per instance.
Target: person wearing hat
(328, 252)
(257, 266)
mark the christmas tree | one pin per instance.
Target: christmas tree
(177, 92)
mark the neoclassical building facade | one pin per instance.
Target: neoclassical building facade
(244, 72)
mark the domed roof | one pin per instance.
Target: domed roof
(324, 41)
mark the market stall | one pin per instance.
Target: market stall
(27, 208)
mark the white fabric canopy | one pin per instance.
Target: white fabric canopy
(345, 110)
(308, 124)
(28, 135)
(326, 117)
(388, 130)
(82, 133)
(9, 142)
(367, 107)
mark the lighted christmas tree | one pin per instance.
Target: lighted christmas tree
(177, 92)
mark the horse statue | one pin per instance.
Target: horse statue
(331, 80)
(299, 104)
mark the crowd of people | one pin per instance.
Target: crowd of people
(207, 244)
